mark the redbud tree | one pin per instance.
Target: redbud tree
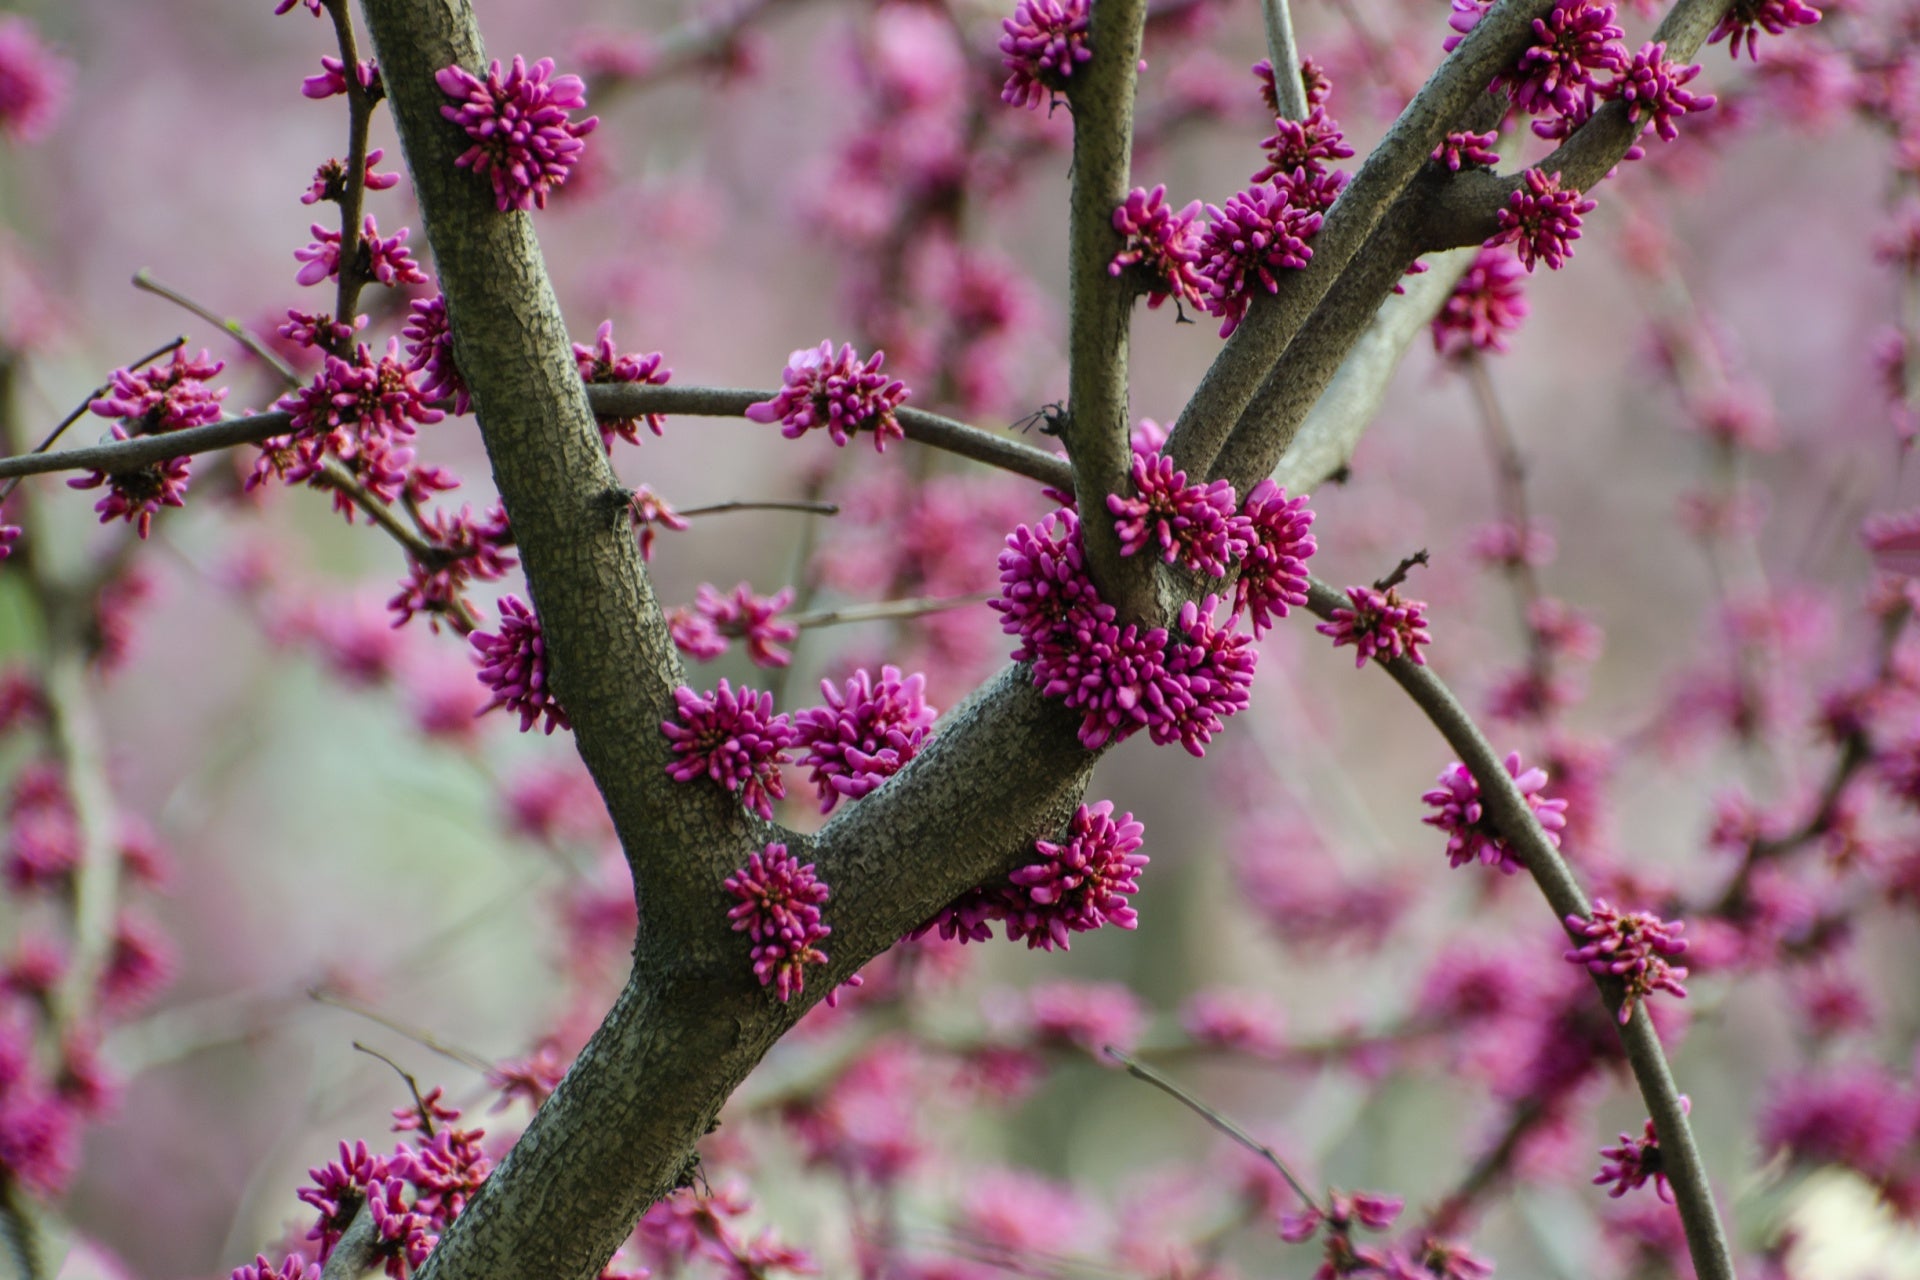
(1426, 704)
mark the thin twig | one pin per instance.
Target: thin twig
(727, 508)
(143, 280)
(887, 609)
(413, 1086)
(418, 1034)
(80, 412)
(1141, 1071)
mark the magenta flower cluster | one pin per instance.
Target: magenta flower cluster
(166, 397)
(1467, 149)
(1636, 947)
(1162, 250)
(837, 393)
(866, 732)
(1380, 624)
(1041, 45)
(1178, 683)
(703, 630)
(137, 495)
(524, 141)
(735, 739)
(383, 260)
(1194, 524)
(429, 340)
(513, 663)
(357, 412)
(1654, 87)
(1079, 883)
(1261, 231)
(1747, 18)
(1470, 833)
(1302, 144)
(34, 81)
(601, 363)
(649, 510)
(777, 905)
(1635, 1162)
(1273, 568)
(1541, 221)
(1485, 308)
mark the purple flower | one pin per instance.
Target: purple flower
(1261, 230)
(694, 634)
(387, 262)
(1571, 43)
(333, 79)
(523, 139)
(1380, 625)
(1044, 587)
(1747, 18)
(1651, 85)
(33, 81)
(164, 397)
(647, 509)
(513, 663)
(1213, 668)
(1635, 1161)
(734, 739)
(754, 618)
(465, 549)
(138, 494)
(1312, 78)
(1634, 947)
(295, 1266)
(1542, 221)
(1194, 524)
(359, 412)
(1089, 1015)
(600, 363)
(330, 180)
(1485, 307)
(865, 734)
(1044, 40)
(778, 906)
(1467, 149)
(1302, 144)
(1470, 834)
(1273, 568)
(430, 352)
(1855, 1115)
(307, 331)
(1162, 248)
(1081, 883)
(838, 393)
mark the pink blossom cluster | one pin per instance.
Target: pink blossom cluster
(837, 393)
(601, 363)
(1261, 231)
(1273, 566)
(700, 1226)
(1379, 624)
(1080, 882)
(513, 664)
(1178, 683)
(649, 512)
(1162, 249)
(382, 260)
(525, 142)
(1635, 1162)
(1194, 524)
(34, 82)
(702, 630)
(1634, 947)
(735, 739)
(1471, 834)
(464, 548)
(1485, 309)
(359, 414)
(412, 1195)
(865, 733)
(1042, 43)
(777, 905)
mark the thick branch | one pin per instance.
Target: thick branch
(1273, 322)
(1680, 1155)
(1467, 210)
(1100, 305)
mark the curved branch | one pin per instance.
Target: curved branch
(1680, 1154)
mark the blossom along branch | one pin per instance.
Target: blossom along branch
(1511, 813)
(1258, 344)
(60, 428)
(1100, 307)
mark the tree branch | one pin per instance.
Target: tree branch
(1099, 305)
(1273, 321)
(1283, 52)
(1680, 1155)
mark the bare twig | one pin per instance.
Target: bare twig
(143, 280)
(914, 608)
(418, 1034)
(1141, 1071)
